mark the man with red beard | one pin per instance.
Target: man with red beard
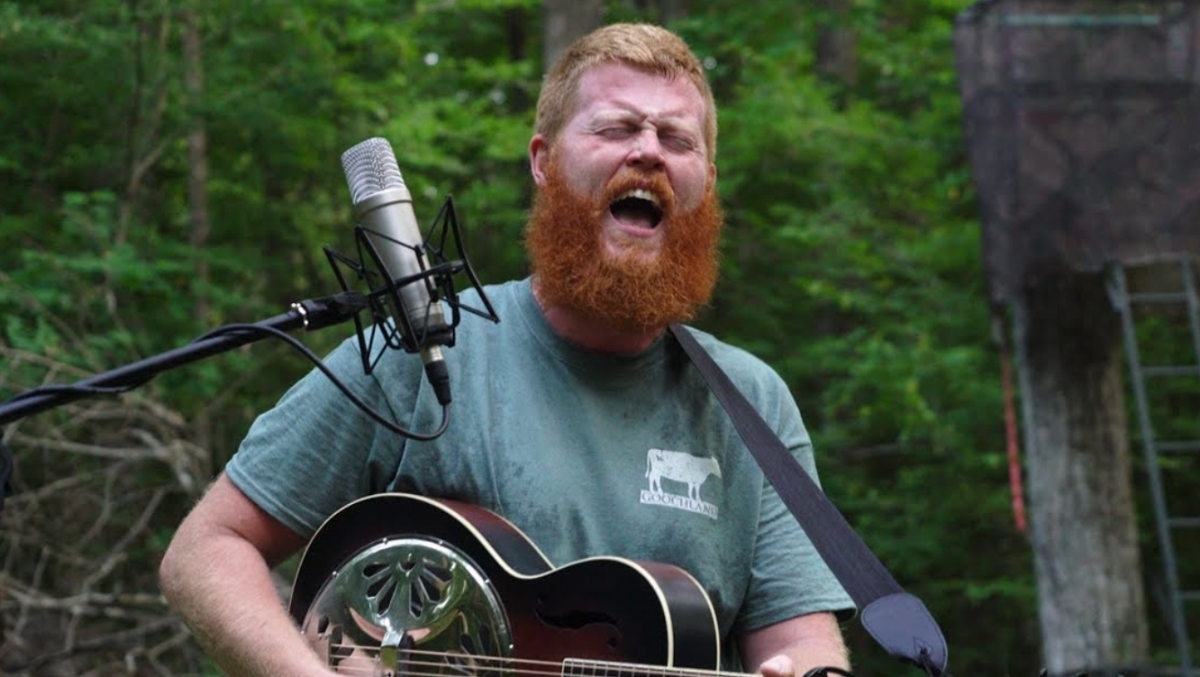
(578, 417)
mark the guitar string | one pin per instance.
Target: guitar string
(556, 668)
(502, 665)
(608, 670)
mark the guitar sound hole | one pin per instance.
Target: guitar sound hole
(416, 601)
(576, 620)
(375, 586)
(490, 646)
(468, 645)
(384, 601)
(459, 665)
(380, 588)
(432, 589)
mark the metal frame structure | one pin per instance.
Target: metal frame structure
(1153, 448)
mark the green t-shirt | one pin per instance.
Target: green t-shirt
(589, 454)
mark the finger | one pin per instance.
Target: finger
(777, 666)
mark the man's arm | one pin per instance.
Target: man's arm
(792, 647)
(216, 575)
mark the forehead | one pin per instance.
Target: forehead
(615, 88)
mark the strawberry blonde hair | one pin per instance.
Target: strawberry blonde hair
(648, 48)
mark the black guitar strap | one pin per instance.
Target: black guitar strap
(897, 620)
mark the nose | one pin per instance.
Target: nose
(647, 152)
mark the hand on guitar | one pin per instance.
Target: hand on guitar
(800, 646)
(778, 666)
(783, 666)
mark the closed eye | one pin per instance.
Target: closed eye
(681, 144)
(619, 132)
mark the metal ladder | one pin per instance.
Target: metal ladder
(1167, 525)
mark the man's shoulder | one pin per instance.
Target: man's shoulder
(743, 367)
(496, 293)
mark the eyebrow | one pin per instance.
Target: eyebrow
(674, 122)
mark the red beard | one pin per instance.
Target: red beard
(625, 290)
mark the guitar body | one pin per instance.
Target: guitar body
(396, 572)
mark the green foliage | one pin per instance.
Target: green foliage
(851, 261)
(852, 265)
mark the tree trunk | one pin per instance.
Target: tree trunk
(197, 147)
(665, 11)
(566, 20)
(1090, 597)
(837, 46)
(518, 51)
(198, 219)
(671, 10)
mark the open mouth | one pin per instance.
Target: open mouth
(638, 208)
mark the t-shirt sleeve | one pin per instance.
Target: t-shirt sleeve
(789, 578)
(315, 451)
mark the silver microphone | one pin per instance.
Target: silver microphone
(383, 208)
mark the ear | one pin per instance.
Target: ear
(712, 173)
(539, 157)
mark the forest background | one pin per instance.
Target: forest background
(170, 167)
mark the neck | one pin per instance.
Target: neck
(593, 334)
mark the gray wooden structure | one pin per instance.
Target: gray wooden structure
(1082, 119)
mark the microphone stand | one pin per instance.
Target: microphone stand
(309, 314)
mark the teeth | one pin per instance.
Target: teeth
(641, 195)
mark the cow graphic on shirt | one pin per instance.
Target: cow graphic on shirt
(684, 468)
